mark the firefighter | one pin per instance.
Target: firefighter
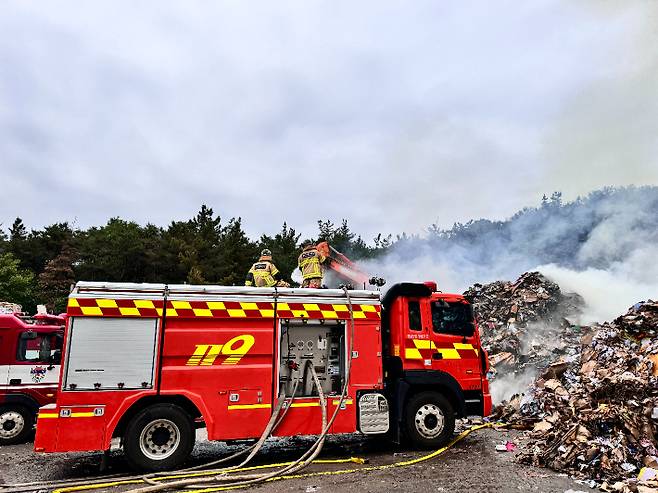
(309, 263)
(264, 274)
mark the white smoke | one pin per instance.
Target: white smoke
(607, 293)
(505, 386)
(603, 247)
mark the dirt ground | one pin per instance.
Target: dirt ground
(472, 465)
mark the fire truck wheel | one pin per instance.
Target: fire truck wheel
(159, 438)
(16, 423)
(429, 420)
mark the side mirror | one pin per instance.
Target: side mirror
(56, 357)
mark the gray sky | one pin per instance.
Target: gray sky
(394, 115)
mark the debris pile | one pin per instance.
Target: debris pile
(524, 324)
(641, 320)
(597, 416)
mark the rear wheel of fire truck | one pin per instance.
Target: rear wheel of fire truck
(159, 438)
(429, 420)
(16, 423)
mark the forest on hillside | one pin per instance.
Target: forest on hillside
(38, 266)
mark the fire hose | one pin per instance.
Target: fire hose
(301, 463)
(210, 489)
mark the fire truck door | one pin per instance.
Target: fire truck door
(37, 359)
(417, 343)
(4, 366)
(454, 345)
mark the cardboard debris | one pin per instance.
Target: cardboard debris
(524, 324)
(596, 416)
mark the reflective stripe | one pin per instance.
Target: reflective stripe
(72, 415)
(234, 407)
(220, 309)
(248, 406)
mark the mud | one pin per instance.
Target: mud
(472, 465)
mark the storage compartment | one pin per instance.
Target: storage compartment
(312, 343)
(111, 353)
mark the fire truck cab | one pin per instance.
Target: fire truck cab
(147, 363)
(30, 354)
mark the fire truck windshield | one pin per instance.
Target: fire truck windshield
(454, 318)
(39, 348)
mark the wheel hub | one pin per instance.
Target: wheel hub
(159, 439)
(11, 424)
(429, 420)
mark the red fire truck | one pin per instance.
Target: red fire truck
(30, 353)
(149, 362)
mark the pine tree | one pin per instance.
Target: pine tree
(56, 279)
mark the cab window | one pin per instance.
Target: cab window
(39, 348)
(454, 318)
(414, 315)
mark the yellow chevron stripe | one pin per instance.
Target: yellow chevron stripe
(91, 310)
(412, 353)
(107, 303)
(129, 311)
(449, 353)
(233, 407)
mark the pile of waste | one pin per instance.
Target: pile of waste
(596, 416)
(525, 324)
(641, 320)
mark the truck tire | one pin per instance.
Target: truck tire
(159, 438)
(16, 424)
(429, 420)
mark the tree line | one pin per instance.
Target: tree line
(39, 266)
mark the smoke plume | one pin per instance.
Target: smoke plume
(603, 246)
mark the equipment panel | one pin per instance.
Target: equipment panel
(319, 344)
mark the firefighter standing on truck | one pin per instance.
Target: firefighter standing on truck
(309, 264)
(264, 274)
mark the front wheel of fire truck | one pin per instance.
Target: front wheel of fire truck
(429, 420)
(16, 423)
(159, 438)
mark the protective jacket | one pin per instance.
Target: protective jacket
(263, 274)
(309, 263)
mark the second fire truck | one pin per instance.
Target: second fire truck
(30, 353)
(148, 363)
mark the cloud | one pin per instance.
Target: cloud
(390, 115)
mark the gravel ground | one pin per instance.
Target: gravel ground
(472, 465)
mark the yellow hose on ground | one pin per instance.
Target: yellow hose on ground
(404, 463)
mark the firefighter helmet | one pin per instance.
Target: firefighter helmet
(266, 254)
